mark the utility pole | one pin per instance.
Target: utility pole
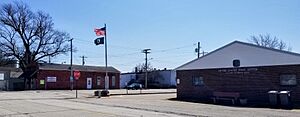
(83, 61)
(71, 65)
(198, 49)
(49, 59)
(146, 51)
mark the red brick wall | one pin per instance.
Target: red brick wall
(252, 85)
(63, 80)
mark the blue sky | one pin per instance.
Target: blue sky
(171, 28)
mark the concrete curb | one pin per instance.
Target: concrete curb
(118, 94)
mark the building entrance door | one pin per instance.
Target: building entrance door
(89, 83)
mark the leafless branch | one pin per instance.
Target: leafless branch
(268, 41)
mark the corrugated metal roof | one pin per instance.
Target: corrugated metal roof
(47, 66)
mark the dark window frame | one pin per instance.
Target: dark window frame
(281, 78)
(113, 81)
(198, 81)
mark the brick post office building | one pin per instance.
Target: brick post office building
(57, 76)
(241, 68)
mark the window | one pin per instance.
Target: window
(288, 79)
(1, 76)
(113, 81)
(198, 81)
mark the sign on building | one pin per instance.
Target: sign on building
(51, 79)
(76, 74)
(1, 76)
(42, 82)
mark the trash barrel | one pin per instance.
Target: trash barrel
(285, 98)
(273, 98)
(96, 93)
(105, 93)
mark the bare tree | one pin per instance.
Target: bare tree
(29, 37)
(142, 67)
(6, 62)
(3, 60)
(270, 42)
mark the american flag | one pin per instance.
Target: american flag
(100, 31)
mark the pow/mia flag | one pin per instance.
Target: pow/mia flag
(99, 41)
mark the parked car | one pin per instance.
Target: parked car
(134, 86)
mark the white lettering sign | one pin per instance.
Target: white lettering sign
(51, 79)
(238, 70)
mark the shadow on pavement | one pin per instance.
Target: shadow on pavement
(294, 106)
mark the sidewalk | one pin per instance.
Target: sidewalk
(113, 92)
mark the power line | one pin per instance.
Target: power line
(177, 55)
(132, 48)
(127, 64)
(138, 49)
(165, 61)
(122, 55)
(172, 49)
(117, 46)
(124, 47)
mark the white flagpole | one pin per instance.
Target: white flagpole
(106, 74)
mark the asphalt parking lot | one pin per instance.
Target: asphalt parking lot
(153, 103)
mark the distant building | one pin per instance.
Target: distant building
(127, 78)
(156, 79)
(57, 76)
(8, 63)
(9, 78)
(240, 68)
(162, 79)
